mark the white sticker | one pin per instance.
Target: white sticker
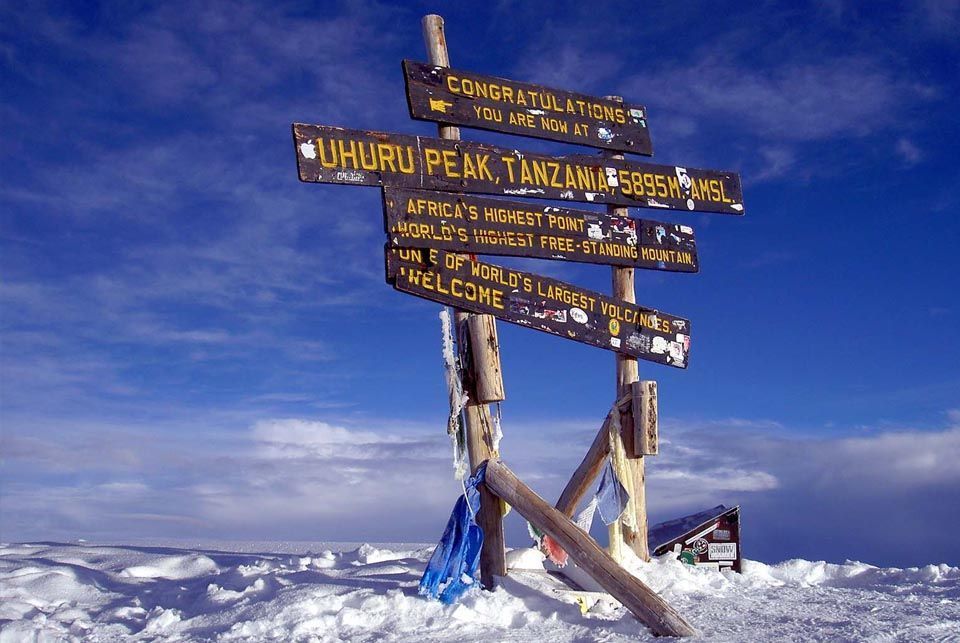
(308, 150)
(676, 352)
(660, 345)
(352, 176)
(615, 342)
(612, 177)
(578, 315)
(722, 551)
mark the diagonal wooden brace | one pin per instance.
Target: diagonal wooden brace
(642, 601)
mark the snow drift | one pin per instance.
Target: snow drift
(51, 591)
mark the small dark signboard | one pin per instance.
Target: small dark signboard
(540, 302)
(709, 538)
(482, 225)
(356, 157)
(461, 98)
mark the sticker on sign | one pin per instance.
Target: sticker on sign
(722, 551)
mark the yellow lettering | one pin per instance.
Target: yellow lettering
(344, 154)
(450, 162)
(704, 185)
(509, 161)
(431, 160)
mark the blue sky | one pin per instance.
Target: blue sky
(196, 345)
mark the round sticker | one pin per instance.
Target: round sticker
(578, 315)
(614, 327)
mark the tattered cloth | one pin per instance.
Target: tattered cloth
(452, 568)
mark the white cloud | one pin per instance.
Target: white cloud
(297, 478)
(296, 439)
(908, 151)
(839, 98)
(776, 161)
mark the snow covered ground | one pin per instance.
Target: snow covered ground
(51, 591)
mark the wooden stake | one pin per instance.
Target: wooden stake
(645, 604)
(488, 385)
(646, 434)
(630, 467)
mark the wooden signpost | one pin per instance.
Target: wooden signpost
(327, 154)
(541, 303)
(481, 225)
(436, 93)
(480, 351)
(435, 224)
(628, 465)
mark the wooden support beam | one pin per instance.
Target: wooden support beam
(590, 467)
(646, 438)
(643, 602)
(630, 467)
(487, 384)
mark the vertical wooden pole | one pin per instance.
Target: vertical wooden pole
(487, 384)
(629, 468)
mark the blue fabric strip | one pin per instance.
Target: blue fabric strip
(452, 568)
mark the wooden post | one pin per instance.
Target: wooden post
(630, 467)
(486, 358)
(487, 383)
(645, 604)
(646, 434)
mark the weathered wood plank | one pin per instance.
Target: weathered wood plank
(328, 154)
(643, 602)
(453, 96)
(541, 303)
(484, 225)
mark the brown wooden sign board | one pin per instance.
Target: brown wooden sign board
(541, 303)
(328, 154)
(457, 97)
(483, 225)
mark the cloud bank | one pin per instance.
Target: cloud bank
(883, 497)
